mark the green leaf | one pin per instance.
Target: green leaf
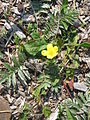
(7, 65)
(89, 114)
(85, 44)
(65, 2)
(14, 79)
(1, 55)
(69, 114)
(45, 6)
(5, 76)
(55, 82)
(82, 97)
(9, 81)
(21, 75)
(21, 57)
(46, 111)
(46, 85)
(35, 35)
(26, 73)
(35, 46)
(16, 63)
(36, 92)
(16, 39)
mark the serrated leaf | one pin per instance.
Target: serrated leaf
(47, 6)
(36, 92)
(7, 65)
(46, 85)
(46, 111)
(16, 63)
(26, 73)
(79, 102)
(5, 77)
(21, 75)
(65, 2)
(69, 115)
(35, 35)
(65, 25)
(21, 57)
(82, 97)
(34, 47)
(9, 81)
(55, 82)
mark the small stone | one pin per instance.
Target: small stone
(28, 18)
(54, 115)
(7, 26)
(18, 31)
(13, 107)
(15, 10)
(76, 24)
(80, 86)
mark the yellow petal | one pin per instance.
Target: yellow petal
(49, 57)
(55, 48)
(49, 46)
(44, 52)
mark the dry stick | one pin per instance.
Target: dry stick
(57, 30)
(64, 66)
(34, 15)
(5, 111)
(74, 6)
(9, 39)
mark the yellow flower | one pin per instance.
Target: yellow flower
(51, 51)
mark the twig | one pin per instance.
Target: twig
(63, 67)
(34, 15)
(9, 39)
(67, 89)
(74, 6)
(5, 111)
(57, 30)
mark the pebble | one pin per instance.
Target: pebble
(17, 30)
(7, 25)
(80, 86)
(13, 107)
(28, 18)
(54, 115)
(76, 24)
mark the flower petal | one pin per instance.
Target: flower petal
(44, 52)
(49, 47)
(55, 48)
(49, 57)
